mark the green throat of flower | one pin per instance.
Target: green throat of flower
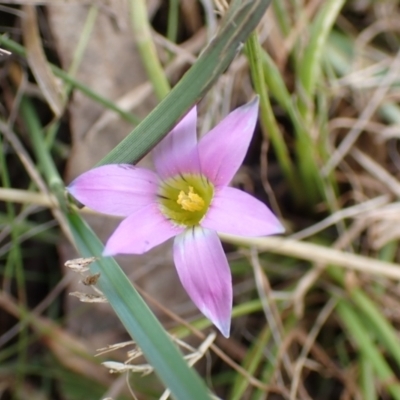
(185, 199)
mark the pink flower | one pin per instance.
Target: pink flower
(188, 198)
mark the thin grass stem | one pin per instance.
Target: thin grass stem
(173, 20)
(147, 49)
(270, 127)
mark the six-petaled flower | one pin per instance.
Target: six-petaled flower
(187, 197)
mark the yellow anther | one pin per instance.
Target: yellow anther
(191, 201)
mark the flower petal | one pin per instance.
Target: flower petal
(140, 232)
(116, 189)
(177, 152)
(204, 272)
(237, 213)
(223, 149)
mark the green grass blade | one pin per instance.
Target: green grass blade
(268, 120)
(282, 16)
(308, 74)
(251, 363)
(46, 163)
(173, 20)
(276, 83)
(367, 385)
(137, 318)
(142, 33)
(360, 336)
(240, 20)
(383, 330)
(379, 325)
(309, 67)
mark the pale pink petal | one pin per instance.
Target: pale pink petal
(140, 232)
(237, 213)
(116, 189)
(177, 152)
(223, 149)
(204, 272)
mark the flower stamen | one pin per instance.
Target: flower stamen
(191, 201)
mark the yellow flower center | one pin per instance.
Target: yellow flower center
(191, 201)
(185, 199)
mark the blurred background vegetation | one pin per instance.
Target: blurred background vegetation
(316, 314)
